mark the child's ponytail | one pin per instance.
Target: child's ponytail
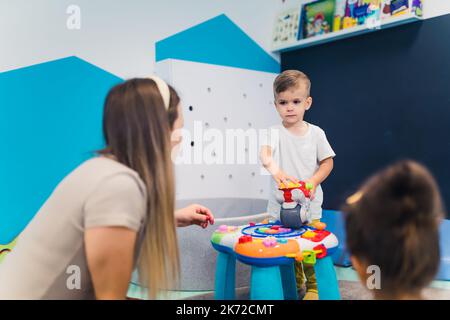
(393, 222)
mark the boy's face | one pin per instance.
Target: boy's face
(292, 104)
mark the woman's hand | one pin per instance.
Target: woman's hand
(194, 214)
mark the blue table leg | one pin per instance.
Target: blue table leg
(327, 283)
(266, 283)
(289, 282)
(225, 276)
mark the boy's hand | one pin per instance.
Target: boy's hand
(322, 173)
(194, 214)
(314, 186)
(282, 177)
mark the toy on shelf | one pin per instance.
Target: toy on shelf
(271, 249)
(295, 201)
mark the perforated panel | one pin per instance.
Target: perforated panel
(221, 98)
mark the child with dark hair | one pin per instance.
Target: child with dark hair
(392, 222)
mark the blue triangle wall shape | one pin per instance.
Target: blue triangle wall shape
(217, 41)
(50, 122)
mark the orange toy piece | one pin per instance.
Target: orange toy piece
(297, 256)
(320, 225)
(316, 235)
(259, 249)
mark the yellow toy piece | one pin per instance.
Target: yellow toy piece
(308, 235)
(5, 249)
(289, 185)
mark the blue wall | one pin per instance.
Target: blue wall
(50, 122)
(381, 97)
(217, 41)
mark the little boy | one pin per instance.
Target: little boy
(301, 152)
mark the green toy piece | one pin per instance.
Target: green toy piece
(217, 237)
(309, 257)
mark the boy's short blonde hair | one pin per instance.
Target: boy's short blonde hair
(289, 79)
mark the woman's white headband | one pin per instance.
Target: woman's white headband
(163, 90)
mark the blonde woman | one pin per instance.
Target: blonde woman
(113, 213)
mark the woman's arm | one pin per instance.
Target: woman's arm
(110, 255)
(194, 214)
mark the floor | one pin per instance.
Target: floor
(349, 286)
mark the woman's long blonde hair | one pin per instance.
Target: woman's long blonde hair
(136, 127)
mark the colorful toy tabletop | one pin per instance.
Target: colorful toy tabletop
(271, 249)
(270, 243)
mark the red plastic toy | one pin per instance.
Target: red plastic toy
(302, 186)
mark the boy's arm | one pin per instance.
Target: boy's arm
(325, 168)
(267, 160)
(269, 163)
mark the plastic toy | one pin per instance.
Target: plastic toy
(271, 249)
(295, 202)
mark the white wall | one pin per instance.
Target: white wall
(119, 36)
(434, 8)
(223, 98)
(116, 35)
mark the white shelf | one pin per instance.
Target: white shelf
(346, 33)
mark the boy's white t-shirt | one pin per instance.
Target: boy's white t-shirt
(298, 156)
